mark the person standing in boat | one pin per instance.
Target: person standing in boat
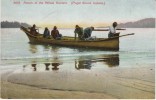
(46, 33)
(112, 30)
(33, 30)
(55, 33)
(87, 32)
(79, 31)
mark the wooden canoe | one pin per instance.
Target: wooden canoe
(100, 43)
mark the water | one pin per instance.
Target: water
(136, 49)
(81, 69)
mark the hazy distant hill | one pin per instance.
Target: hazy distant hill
(144, 23)
(6, 24)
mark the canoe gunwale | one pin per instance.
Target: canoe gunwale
(75, 43)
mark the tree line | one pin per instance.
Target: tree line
(15, 24)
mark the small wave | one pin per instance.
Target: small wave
(131, 51)
(62, 55)
(20, 58)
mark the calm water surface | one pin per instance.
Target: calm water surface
(135, 51)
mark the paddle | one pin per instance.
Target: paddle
(123, 35)
(127, 34)
(107, 29)
(120, 29)
(100, 30)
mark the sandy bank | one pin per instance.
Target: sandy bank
(125, 83)
(10, 90)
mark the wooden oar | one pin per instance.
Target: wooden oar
(120, 29)
(124, 35)
(100, 30)
(107, 29)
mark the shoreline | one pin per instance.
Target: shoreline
(9, 90)
(117, 83)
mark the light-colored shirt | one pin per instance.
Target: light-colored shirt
(112, 30)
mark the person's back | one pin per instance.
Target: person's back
(55, 33)
(46, 33)
(87, 32)
(79, 31)
(33, 30)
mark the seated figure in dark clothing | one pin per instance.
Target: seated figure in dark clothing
(46, 33)
(87, 32)
(55, 33)
(33, 30)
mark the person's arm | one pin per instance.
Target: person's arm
(82, 30)
(48, 33)
(75, 34)
(120, 29)
(58, 32)
(29, 27)
(51, 32)
(37, 30)
(101, 30)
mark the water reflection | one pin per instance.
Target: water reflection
(81, 63)
(55, 66)
(47, 66)
(109, 60)
(112, 60)
(32, 48)
(34, 67)
(46, 47)
(54, 52)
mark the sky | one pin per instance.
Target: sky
(68, 15)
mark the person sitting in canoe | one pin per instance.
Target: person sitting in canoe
(112, 30)
(87, 32)
(55, 33)
(79, 31)
(46, 33)
(33, 30)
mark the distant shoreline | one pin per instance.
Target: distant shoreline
(10, 27)
(72, 28)
(15, 24)
(143, 23)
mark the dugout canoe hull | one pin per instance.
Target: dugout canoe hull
(99, 43)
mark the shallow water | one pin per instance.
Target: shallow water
(122, 73)
(134, 50)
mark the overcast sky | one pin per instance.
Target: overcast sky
(68, 15)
